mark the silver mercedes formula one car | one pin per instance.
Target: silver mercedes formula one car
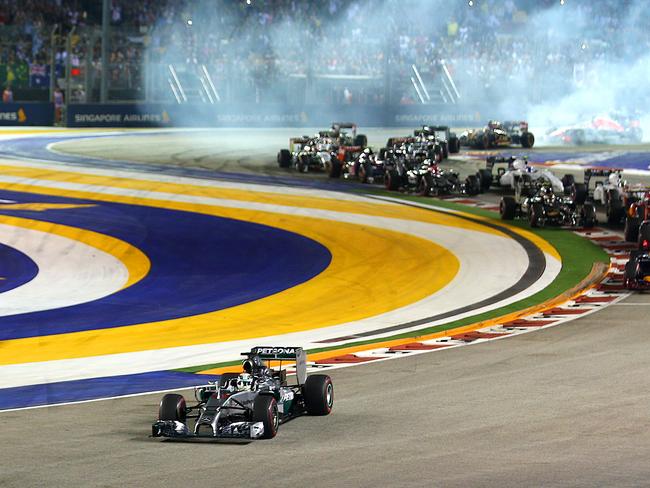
(247, 405)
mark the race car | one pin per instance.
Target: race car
(447, 139)
(502, 172)
(536, 202)
(615, 194)
(416, 144)
(365, 166)
(247, 405)
(316, 153)
(637, 271)
(600, 129)
(422, 175)
(497, 134)
(637, 216)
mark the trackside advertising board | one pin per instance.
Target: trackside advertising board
(17, 114)
(269, 115)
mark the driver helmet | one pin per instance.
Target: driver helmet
(244, 382)
(545, 191)
(494, 124)
(614, 178)
(367, 151)
(520, 164)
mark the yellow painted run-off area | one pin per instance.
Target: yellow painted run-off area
(373, 270)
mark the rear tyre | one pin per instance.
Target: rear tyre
(507, 208)
(472, 185)
(568, 181)
(265, 410)
(614, 208)
(579, 193)
(318, 393)
(631, 229)
(588, 216)
(485, 175)
(284, 158)
(361, 140)
(454, 145)
(172, 407)
(644, 235)
(391, 180)
(334, 168)
(424, 186)
(485, 141)
(527, 139)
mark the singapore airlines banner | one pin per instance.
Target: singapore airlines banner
(23, 114)
(270, 115)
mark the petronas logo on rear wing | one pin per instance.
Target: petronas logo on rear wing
(282, 353)
(265, 352)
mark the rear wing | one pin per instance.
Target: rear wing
(337, 126)
(268, 353)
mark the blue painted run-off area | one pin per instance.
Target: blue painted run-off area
(16, 268)
(199, 263)
(97, 388)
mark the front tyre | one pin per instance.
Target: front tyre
(172, 407)
(265, 410)
(536, 214)
(507, 208)
(318, 393)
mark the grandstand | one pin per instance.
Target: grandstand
(332, 52)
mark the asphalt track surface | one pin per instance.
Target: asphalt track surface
(565, 406)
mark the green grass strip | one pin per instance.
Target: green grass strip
(578, 256)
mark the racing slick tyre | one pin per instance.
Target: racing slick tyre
(265, 410)
(588, 215)
(579, 193)
(226, 378)
(472, 185)
(284, 158)
(507, 208)
(391, 180)
(485, 176)
(172, 407)
(568, 181)
(318, 393)
(302, 165)
(424, 185)
(644, 235)
(527, 140)
(364, 172)
(485, 141)
(535, 214)
(445, 150)
(454, 145)
(361, 140)
(613, 207)
(334, 168)
(631, 229)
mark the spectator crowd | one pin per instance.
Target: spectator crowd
(337, 51)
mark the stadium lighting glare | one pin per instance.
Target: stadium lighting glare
(470, 3)
(584, 45)
(561, 2)
(189, 22)
(248, 2)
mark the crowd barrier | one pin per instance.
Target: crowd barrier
(271, 115)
